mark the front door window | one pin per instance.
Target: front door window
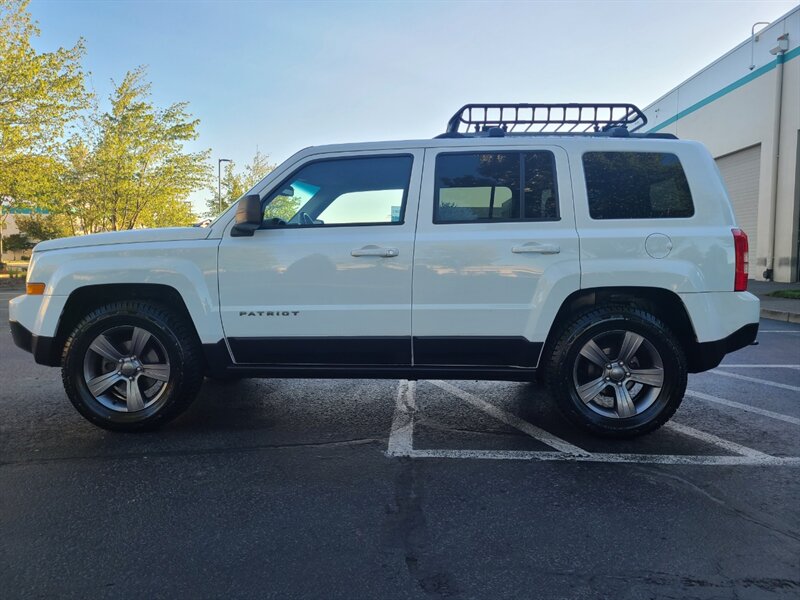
(347, 191)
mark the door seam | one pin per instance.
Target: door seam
(414, 249)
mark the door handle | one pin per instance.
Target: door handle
(536, 248)
(375, 251)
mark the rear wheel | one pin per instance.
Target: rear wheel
(617, 371)
(131, 366)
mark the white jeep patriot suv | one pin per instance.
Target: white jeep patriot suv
(529, 242)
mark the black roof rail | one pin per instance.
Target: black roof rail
(613, 119)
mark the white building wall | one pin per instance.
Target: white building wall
(730, 106)
(10, 225)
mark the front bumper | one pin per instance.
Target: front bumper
(42, 348)
(34, 325)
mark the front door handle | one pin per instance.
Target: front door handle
(375, 251)
(536, 248)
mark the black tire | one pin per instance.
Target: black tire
(171, 336)
(565, 368)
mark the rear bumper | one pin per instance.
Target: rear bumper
(717, 316)
(707, 355)
(741, 337)
(40, 347)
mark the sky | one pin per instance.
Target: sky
(280, 76)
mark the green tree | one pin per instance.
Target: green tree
(282, 207)
(16, 242)
(41, 227)
(130, 168)
(235, 183)
(41, 93)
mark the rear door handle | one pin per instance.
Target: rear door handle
(536, 248)
(375, 251)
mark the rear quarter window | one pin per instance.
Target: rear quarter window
(636, 185)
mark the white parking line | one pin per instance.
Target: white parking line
(512, 420)
(649, 459)
(402, 434)
(783, 386)
(758, 366)
(779, 331)
(746, 407)
(716, 441)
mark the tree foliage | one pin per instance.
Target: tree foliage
(39, 227)
(17, 242)
(131, 168)
(236, 183)
(92, 170)
(282, 207)
(40, 94)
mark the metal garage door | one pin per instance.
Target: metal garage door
(740, 171)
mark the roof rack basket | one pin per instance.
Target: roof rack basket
(545, 118)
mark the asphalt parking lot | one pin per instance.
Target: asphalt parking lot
(385, 489)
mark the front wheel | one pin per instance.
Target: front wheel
(131, 366)
(617, 371)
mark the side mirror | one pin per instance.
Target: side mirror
(248, 216)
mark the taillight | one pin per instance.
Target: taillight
(742, 263)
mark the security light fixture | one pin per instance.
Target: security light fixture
(783, 45)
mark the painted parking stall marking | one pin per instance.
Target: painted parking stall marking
(784, 386)
(755, 366)
(746, 407)
(714, 440)
(514, 421)
(779, 331)
(401, 438)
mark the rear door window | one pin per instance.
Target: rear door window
(497, 186)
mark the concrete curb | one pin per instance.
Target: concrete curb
(780, 315)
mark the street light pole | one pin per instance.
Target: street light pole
(219, 181)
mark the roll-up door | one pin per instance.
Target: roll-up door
(740, 170)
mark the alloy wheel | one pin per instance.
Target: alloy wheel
(618, 374)
(126, 369)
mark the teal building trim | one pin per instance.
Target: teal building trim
(729, 88)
